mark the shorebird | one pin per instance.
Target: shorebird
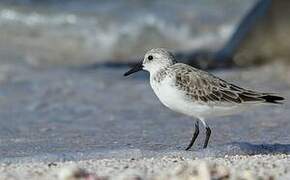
(196, 93)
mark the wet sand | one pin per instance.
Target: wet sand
(108, 125)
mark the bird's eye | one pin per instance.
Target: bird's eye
(150, 58)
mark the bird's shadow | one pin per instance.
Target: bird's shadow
(244, 148)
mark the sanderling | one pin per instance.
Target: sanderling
(196, 93)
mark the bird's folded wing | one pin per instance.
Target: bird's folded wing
(206, 88)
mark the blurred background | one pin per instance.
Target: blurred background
(62, 90)
(75, 32)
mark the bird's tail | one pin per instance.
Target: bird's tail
(272, 99)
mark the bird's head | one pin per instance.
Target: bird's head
(154, 60)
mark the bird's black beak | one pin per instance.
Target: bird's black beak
(136, 68)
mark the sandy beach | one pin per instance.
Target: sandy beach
(253, 145)
(163, 167)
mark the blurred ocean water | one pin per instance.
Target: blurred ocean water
(84, 31)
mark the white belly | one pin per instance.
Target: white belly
(177, 101)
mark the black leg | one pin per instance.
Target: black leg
(208, 132)
(195, 134)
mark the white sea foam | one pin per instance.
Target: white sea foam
(107, 30)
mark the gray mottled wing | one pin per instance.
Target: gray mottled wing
(206, 88)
